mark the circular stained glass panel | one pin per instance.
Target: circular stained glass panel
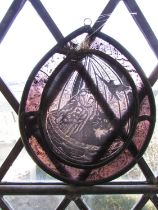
(87, 112)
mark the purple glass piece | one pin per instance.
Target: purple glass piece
(39, 82)
(76, 124)
(62, 105)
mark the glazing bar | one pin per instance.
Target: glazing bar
(65, 202)
(103, 17)
(11, 158)
(42, 12)
(141, 203)
(42, 189)
(143, 25)
(9, 96)
(4, 205)
(10, 16)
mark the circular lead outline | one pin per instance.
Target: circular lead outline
(141, 74)
(43, 108)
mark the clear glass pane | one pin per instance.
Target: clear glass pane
(4, 5)
(111, 202)
(122, 28)
(72, 206)
(34, 202)
(9, 130)
(25, 44)
(149, 9)
(135, 174)
(70, 15)
(151, 154)
(149, 206)
(25, 169)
